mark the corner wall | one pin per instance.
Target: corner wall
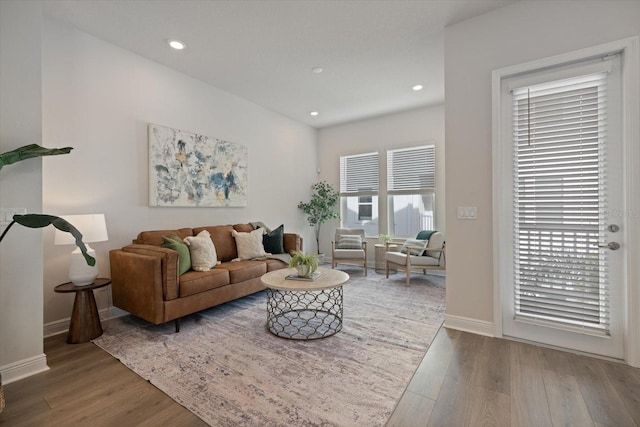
(21, 346)
(400, 130)
(512, 35)
(99, 98)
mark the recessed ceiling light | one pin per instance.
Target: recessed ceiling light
(317, 70)
(314, 113)
(417, 87)
(177, 44)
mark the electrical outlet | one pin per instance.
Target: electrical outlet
(467, 212)
(6, 214)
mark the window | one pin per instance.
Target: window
(365, 208)
(359, 192)
(411, 190)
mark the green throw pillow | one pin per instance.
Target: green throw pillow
(184, 257)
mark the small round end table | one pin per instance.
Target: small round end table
(85, 320)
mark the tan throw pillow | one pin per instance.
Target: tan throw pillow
(249, 244)
(203, 253)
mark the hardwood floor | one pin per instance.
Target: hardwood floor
(472, 380)
(463, 380)
(85, 386)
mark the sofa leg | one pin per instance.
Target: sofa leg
(177, 321)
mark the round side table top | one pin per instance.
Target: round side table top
(70, 287)
(329, 278)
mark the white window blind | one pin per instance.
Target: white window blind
(359, 175)
(559, 136)
(411, 170)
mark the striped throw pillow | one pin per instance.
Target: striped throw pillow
(349, 241)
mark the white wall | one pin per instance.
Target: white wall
(400, 130)
(99, 99)
(512, 35)
(21, 347)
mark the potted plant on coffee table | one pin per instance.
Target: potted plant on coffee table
(304, 264)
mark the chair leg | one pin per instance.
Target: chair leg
(365, 265)
(386, 270)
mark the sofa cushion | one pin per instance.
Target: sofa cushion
(194, 282)
(243, 228)
(223, 241)
(203, 252)
(273, 241)
(155, 237)
(275, 264)
(249, 245)
(240, 271)
(184, 257)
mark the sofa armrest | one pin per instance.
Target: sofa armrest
(169, 266)
(136, 284)
(292, 242)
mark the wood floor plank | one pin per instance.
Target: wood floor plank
(453, 407)
(464, 358)
(490, 408)
(492, 369)
(604, 404)
(529, 405)
(413, 410)
(626, 381)
(429, 376)
(566, 404)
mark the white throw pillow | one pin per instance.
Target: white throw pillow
(202, 251)
(249, 244)
(417, 246)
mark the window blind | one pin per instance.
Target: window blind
(359, 175)
(411, 170)
(559, 137)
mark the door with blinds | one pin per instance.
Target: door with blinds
(567, 249)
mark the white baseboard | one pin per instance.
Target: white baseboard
(466, 324)
(23, 368)
(62, 326)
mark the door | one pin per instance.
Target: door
(565, 280)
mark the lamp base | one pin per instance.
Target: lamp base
(81, 273)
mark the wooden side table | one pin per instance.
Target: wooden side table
(85, 320)
(380, 262)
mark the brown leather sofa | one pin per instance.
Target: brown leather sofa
(145, 280)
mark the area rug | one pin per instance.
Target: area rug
(225, 367)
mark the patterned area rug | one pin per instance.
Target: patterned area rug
(225, 367)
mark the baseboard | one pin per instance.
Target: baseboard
(23, 368)
(466, 324)
(62, 326)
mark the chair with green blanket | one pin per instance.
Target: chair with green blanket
(425, 252)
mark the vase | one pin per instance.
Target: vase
(304, 270)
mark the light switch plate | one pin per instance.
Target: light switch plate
(467, 212)
(6, 214)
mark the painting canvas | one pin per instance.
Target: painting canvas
(187, 169)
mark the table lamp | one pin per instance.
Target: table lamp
(93, 229)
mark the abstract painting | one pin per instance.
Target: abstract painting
(187, 169)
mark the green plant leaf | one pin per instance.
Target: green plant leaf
(30, 151)
(43, 220)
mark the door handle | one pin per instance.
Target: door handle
(614, 246)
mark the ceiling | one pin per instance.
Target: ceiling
(372, 52)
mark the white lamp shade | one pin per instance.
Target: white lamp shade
(93, 228)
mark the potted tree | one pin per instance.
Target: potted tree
(321, 207)
(39, 220)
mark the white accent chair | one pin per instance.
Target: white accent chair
(349, 247)
(418, 255)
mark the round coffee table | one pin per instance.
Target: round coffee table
(301, 309)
